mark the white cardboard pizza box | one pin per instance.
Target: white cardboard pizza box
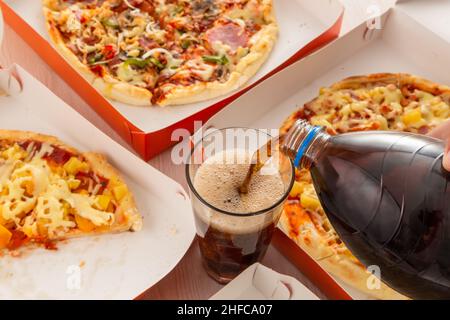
(402, 44)
(432, 14)
(300, 22)
(258, 282)
(120, 266)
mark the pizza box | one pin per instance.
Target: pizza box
(258, 282)
(120, 266)
(390, 47)
(1, 26)
(304, 26)
(427, 13)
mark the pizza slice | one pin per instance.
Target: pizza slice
(382, 101)
(49, 191)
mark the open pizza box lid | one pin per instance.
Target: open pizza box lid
(304, 26)
(392, 47)
(120, 266)
(258, 282)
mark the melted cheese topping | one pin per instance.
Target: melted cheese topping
(50, 210)
(38, 200)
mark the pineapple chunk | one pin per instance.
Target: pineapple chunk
(412, 116)
(42, 228)
(5, 191)
(5, 237)
(29, 187)
(309, 202)
(359, 106)
(321, 120)
(441, 109)
(74, 165)
(15, 152)
(29, 231)
(424, 96)
(324, 90)
(74, 184)
(120, 191)
(392, 96)
(102, 202)
(296, 190)
(84, 224)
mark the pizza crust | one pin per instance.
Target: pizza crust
(178, 95)
(122, 91)
(17, 135)
(399, 79)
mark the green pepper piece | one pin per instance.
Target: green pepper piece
(135, 62)
(97, 57)
(222, 60)
(156, 62)
(110, 23)
(186, 43)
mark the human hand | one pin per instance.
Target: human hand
(443, 132)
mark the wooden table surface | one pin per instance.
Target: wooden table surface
(188, 279)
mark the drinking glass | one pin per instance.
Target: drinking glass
(230, 242)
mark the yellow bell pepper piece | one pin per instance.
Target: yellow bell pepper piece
(309, 202)
(412, 116)
(75, 165)
(102, 202)
(120, 191)
(296, 190)
(83, 224)
(73, 183)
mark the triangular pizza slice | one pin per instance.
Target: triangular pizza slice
(50, 191)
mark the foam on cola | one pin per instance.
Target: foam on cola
(218, 179)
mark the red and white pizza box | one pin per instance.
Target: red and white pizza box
(304, 26)
(120, 266)
(398, 43)
(258, 282)
(1, 26)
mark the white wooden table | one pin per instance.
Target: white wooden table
(188, 280)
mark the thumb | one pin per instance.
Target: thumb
(446, 161)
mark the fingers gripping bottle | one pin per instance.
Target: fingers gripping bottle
(388, 197)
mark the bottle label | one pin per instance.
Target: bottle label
(304, 146)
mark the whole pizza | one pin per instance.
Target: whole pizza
(49, 191)
(384, 101)
(163, 52)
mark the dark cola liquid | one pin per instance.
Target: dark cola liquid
(387, 195)
(225, 255)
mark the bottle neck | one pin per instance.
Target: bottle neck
(304, 143)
